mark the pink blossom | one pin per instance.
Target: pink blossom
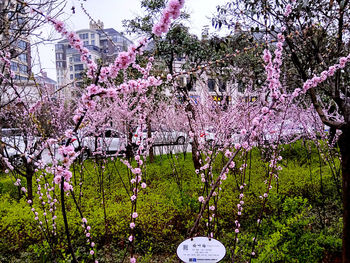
(288, 10)
(228, 154)
(265, 110)
(267, 56)
(67, 187)
(136, 171)
(245, 145)
(134, 215)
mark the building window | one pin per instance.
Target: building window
(71, 76)
(211, 84)
(59, 46)
(78, 67)
(86, 43)
(84, 36)
(23, 57)
(71, 68)
(92, 35)
(93, 42)
(59, 56)
(240, 87)
(78, 75)
(76, 58)
(23, 69)
(222, 86)
(21, 77)
(190, 85)
(13, 66)
(59, 64)
(22, 44)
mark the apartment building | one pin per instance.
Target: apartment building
(14, 38)
(103, 44)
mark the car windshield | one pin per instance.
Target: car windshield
(10, 132)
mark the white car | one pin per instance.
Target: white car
(289, 133)
(214, 138)
(16, 146)
(108, 142)
(162, 137)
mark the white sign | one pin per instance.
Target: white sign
(201, 249)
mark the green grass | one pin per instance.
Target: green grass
(301, 221)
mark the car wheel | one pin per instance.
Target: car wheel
(84, 155)
(17, 161)
(210, 142)
(180, 140)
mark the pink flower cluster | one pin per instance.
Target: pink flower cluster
(75, 42)
(127, 58)
(272, 68)
(315, 81)
(5, 57)
(87, 229)
(288, 10)
(171, 12)
(66, 186)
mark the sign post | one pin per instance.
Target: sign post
(201, 249)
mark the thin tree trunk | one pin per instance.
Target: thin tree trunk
(149, 135)
(344, 144)
(195, 156)
(29, 178)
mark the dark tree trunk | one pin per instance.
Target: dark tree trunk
(130, 145)
(149, 135)
(344, 144)
(2, 166)
(195, 156)
(29, 178)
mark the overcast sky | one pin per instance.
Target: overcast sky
(111, 13)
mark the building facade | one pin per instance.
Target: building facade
(14, 38)
(103, 44)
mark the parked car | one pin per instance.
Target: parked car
(161, 137)
(214, 138)
(16, 145)
(289, 133)
(107, 142)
